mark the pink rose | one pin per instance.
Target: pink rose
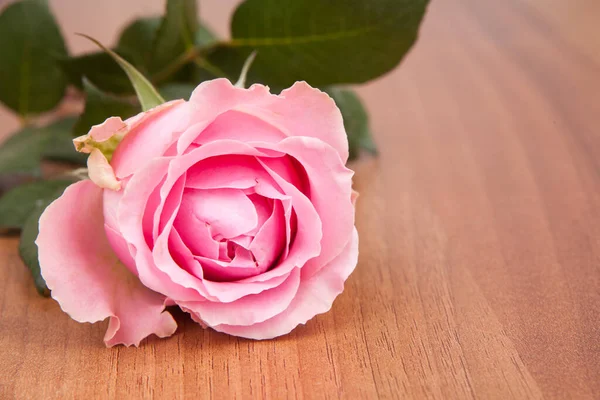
(235, 206)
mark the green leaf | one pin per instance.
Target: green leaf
(17, 204)
(135, 44)
(31, 80)
(28, 249)
(61, 148)
(356, 120)
(321, 42)
(137, 41)
(146, 93)
(101, 70)
(176, 34)
(203, 70)
(60, 145)
(99, 106)
(23, 152)
(204, 36)
(174, 91)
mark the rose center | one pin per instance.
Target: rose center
(232, 233)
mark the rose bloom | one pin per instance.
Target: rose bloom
(235, 206)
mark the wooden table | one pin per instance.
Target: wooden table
(479, 273)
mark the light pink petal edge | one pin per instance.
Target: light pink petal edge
(300, 110)
(315, 296)
(86, 277)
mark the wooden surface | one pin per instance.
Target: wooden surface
(479, 272)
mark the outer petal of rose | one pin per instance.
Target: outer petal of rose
(150, 135)
(315, 296)
(298, 111)
(250, 309)
(306, 112)
(214, 97)
(310, 112)
(100, 171)
(110, 202)
(100, 133)
(86, 277)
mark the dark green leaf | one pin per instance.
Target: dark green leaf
(176, 34)
(321, 42)
(137, 41)
(17, 204)
(174, 91)
(99, 106)
(135, 44)
(101, 70)
(356, 120)
(203, 70)
(60, 146)
(31, 80)
(204, 36)
(28, 249)
(22, 153)
(146, 93)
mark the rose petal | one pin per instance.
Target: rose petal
(227, 171)
(307, 242)
(264, 209)
(298, 111)
(222, 271)
(106, 130)
(315, 296)
(130, 216)
(242, 240)
(100, 171)
(229, 212)
(172, 257)
(150, 135)
(269, 242)
(113, 127)
(196, 236)
(120, 247)
(237, 125)
(227, 292)
(309, 112)
(214, 97)
(330, 184)
(248, 310)
(291, 171)
(85, 275)
(183, 256)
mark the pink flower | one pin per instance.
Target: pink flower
(236, 206)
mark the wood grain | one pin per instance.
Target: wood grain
(479, 272)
